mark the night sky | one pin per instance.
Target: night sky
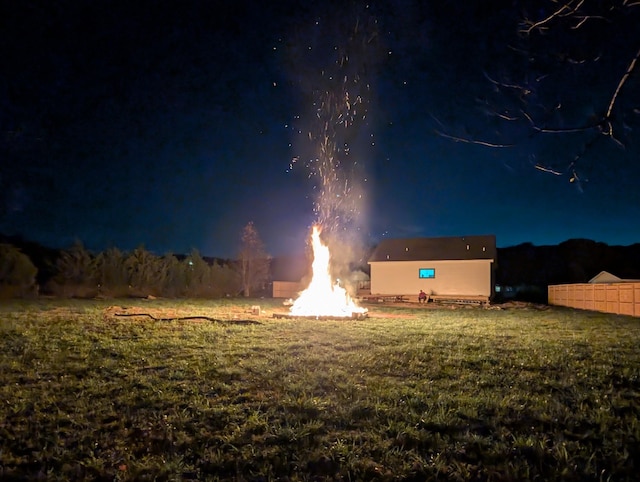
(172, 124)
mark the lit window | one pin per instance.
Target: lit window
(426, 273)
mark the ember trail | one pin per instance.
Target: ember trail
(339, 109)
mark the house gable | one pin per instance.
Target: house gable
(605, 277)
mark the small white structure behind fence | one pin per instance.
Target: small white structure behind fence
(618, 298)
(286, 289)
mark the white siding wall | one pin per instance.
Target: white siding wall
(459, 277)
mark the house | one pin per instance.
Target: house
(606, 277)
(459, 268)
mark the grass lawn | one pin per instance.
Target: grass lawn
(408, 394)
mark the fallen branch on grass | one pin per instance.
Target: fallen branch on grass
(196, 317)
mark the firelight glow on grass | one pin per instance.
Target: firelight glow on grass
(407, 394)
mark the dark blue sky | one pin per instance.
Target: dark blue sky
(172, 124)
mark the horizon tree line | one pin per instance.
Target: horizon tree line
(77, 272)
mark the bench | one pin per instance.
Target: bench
(460, 299)
(385, 298)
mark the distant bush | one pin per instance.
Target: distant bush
(17, 273)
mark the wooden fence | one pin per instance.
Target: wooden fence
(618, 298)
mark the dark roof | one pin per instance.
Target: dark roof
(435, 249)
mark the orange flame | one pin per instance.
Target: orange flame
(323, 297)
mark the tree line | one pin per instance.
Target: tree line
(78, 272)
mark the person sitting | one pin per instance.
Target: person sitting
(422, 297)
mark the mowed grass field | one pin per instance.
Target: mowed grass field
(410, 393)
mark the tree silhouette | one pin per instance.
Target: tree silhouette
(111, 271)
(172, 277)
(76, 272)
(197, 275)
(144, 271)
(17, 273)
(253, 261)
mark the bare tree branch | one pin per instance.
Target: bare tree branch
(565, 10)
(624, 78)
(472, 141)
(540, 167)
(559, 130)
(524, 90)
(582, 19)
(489, 110)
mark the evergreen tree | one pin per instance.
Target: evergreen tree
(76, 273)
(143, 268)
(197, 275)
(111, 271)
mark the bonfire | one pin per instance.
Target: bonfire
(324, 297)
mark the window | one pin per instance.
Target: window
(426, 273)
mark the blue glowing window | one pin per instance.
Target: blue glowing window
(426, 273)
